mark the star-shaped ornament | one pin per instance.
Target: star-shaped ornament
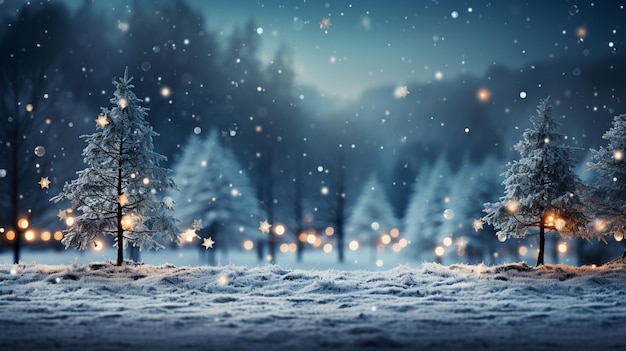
(44, 183)
(102, 121)
(122, 200)
(208, 243)
(62, 215)
(477, 224)
(264, 227)
(402, 92)
(325, 23)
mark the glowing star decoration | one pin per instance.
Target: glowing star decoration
(197, 224)
(62, 215)
(264, 227)
(102, 121)
(188, 236)
(325, 23)
(44, 183)
(122, 200)
(401, 92)
(477, 224)
(208, 243)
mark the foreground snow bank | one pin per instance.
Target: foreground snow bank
(142, 307)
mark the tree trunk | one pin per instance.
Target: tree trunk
(17, 242)
(341, 209)
(542, 243)
(120, 230)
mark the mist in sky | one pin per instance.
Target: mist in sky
(369, 43)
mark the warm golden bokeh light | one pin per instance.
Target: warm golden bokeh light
(248, 245)
(483, 94)
(439, 251)
(353, 245)
(45, 236)
(279, 229)
(328, 248)
(10, 235)
(29, 235)
(23, 223)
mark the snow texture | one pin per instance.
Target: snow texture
(100, 306)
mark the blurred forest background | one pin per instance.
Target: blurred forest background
(406, 174)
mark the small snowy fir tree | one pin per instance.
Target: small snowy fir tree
(216, 190)
(372, 216)
(424, 216)
(117, 193)
(541, 188)
(608, 196)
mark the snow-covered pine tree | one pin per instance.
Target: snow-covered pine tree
(608, 195)
(371, 216)
(117, 194)
(424, 218)
(215, 189)
(541, 188)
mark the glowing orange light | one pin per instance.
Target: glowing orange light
(29, 235)
(329, 231)
(394, 232)
(512, 206)
(58, 235)
(69, 221)
(98, 245)
(128, 221)
(45, 236)
(248, 245)
(385, 239)
(581, 32)
(10, 235)
(483, 94)
(311, 238)
(23, 223)
(279, 229)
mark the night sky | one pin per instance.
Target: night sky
(370, 43)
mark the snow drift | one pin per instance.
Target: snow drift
(100, 306)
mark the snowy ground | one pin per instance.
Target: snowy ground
(98, 306)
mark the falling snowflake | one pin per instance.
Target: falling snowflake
(264, 227)
(401, 92)
(325, 23)
(197, 224)
(102, 121)
(44, 183)
(208, 243)
(169, 202)
(477, 224)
